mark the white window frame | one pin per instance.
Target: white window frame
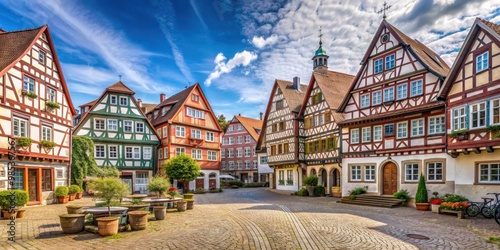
(355, 173)
(391, 60)
(400, 132)
(98, 154)
(239, 152)
(165, 152)
(212, 155)
(354, 135)
(389, 92)
(46, 133)
(209, 136)
(479, 111)
(366, 134)
(196, 154)
(111, 151)
(139, 127)
(417, 127)
(231, 140)
(240, 139)
(377, 133)
(402, 91)
(488, 172)
(459, 118)
(413, 176)
(179, 151)
(42, 57)
(195, 133)
(482, 62)
(369, 173)
(113, 99)
(129, 152)
(123, 101)
(246, 152)
(418, 86)
(365, 101)
(100, 121)
(247, 139)
(437, 125)
(378, 66)
(180, 131)
(376, 97)
(230, 152)
(432, 171)
(111, 126)
(137, 153)
(147, 153)
(495, 106)
(51, 94)
(29, 84)
(222, 153)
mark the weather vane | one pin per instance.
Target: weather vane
(386, 7)
(320, 35)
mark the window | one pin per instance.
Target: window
(195, 98)
(436, 125)
(247, 164)
(240, 140)
(164, 110)
(112, 99)
(402, 91)
(478, 115)
(482, 62)
(141, 181)
(316, 120)
(273, 150)
(247, 139)
(195, 133)
(417, 127)
(123, 101)
(196, 154)
(279, 104)
(411, 172)
(46, 180)
(209, 136)
(222, 153)
(223, 165)
(389, 62)
(212, 155)
(355, 135)
(459, 118)
(29, 84)
(377, 133)
(289, 177)
(231, 165)
(128, 153)
(20, 127)
(127, 126)
(160, 154)
(46, 133)
(378, 66)
(376, 97)
(231, 140)
(435, 171)
(100, 152)
(317, 98)
(59, 173)
(366, 134)
(230, 152)
(112, 125)
(239, 165)
(389, 130)
(18, 178)
(113, 151)
(180, 131)
(286, 148)
(165, 152)
(489, 172)
(137, 153)
(355, 173)
(495, 111)
(369, 173)
(247, 152)
(41, 57)
(388, 94)
(402, 130)
(239, 152)
(99, 124)
(416, 88)
(281, 177)
(365, 101)
(239, 127)
(195, 113)
(179, 151)
(51, 94)
(263, 160)
(230, 128)
(146, 153)
(255, 165)
(139, 127)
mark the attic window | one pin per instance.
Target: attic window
(384, 38)
(150, 116)
(278, 91)
(195, 98)
(164, 110)
(44, 37)
(156, 113)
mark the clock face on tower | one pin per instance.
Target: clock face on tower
(384, 38)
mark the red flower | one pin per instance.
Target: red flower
(172, 189)
(436, 201)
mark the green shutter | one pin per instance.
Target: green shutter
(467, 116)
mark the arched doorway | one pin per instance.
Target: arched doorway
(212, 180)
(390, 179)
(313, 171)
(200, 181)
(336, 177)
(323, 177)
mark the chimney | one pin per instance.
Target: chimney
(296, 83)
(139, 102)
(162, 98)
(260, 115)
(2, 31)
(239, 114)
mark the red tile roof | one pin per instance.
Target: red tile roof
(293, 96)
(253, 126)
(119, 87)
(13, 45)
(492, 26)
(175, 102)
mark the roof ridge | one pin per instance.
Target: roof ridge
(17, 31)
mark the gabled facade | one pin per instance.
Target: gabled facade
(281, 129)
(321, 132)
(186, 124)
(122, 135)
(238, 154)
(394, 127)
(34, 103)
(472, 94)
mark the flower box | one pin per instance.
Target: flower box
(29, 94)
(52, 105)
(459, 213)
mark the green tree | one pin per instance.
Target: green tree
(159, 185)
(82, 159)
(421, 195)
(182, 168)
(223, 122)
(107, 171)
(109, 189)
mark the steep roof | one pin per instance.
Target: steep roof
(293, 96)
(334, 86)
(119, 87)
(251, 125)
(146, 107)
(479, 24)
(175, 102)
(91, 103)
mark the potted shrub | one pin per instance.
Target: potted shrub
(73, 189)
(189, 204)
(108, 189)
(311, 181)
(160, 212)
(61, 193)
(138, 220)
(79, 194)
(181, 205)
(20, 201)
(22, 198)
(402, 195)
(357, 191)
(421, 199)
(72, 223)
(158, 185)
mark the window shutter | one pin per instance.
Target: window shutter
(467, 116)
(307, 147)
(487, 113)
(452, 120)
(327, 117)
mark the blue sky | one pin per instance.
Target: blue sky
(234, 49)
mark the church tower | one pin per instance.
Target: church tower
(320, 58)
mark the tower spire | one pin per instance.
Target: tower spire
(320, 35)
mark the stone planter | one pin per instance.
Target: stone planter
(20, 213)
(79, 195)
(72, 223)
(181, 206)
(72, 197)
(460, 213)
(138, 220)
(188, 196)
(310, 190)
(62, 199)
(7, 215)
(422, 206)
(189, 204)
(160, 212)
(435, 208)
(107, 226)
(74, 209)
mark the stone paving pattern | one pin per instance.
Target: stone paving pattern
(264, 219)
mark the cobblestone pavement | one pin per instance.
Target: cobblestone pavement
(262, 219)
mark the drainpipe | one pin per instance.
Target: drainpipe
(70, 154)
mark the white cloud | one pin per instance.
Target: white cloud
(261, 42)
(243, 58)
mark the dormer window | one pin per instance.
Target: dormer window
(123, 101)
(113, 99)
(156, 114)
(164, 110)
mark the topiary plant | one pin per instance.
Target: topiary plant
(311, 180)
(21, 199)
(159, 185)
(109, 189)
(421, 196)
(73, 189)
(61, 191)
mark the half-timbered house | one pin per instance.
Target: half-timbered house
(187, 125)
(238, 154)
(122, 135)
(394, 126)
(281, 128)
(324, 94)
(472, 94)
(36, 110)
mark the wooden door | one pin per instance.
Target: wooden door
(390, 178)
(32, 185)
(200, 183)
